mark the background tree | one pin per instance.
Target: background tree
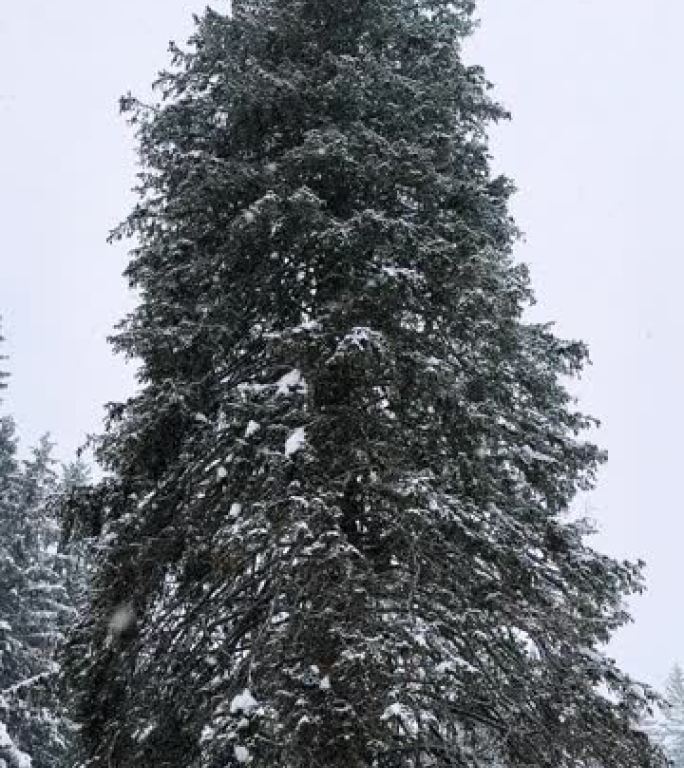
(667, 727)
(10, 755)
(34, 608)
(334, 529)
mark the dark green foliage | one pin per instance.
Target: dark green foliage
(335, 527)
(76, 543)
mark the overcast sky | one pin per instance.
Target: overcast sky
(595, 148)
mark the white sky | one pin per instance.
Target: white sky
(595, 148)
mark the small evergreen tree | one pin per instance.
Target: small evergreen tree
(334, 528)
(48, 605)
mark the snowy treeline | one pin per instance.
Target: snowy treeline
(40, 581)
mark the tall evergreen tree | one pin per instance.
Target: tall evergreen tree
(334, 528)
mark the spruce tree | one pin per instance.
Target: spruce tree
(48, 606)
(334, 529)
